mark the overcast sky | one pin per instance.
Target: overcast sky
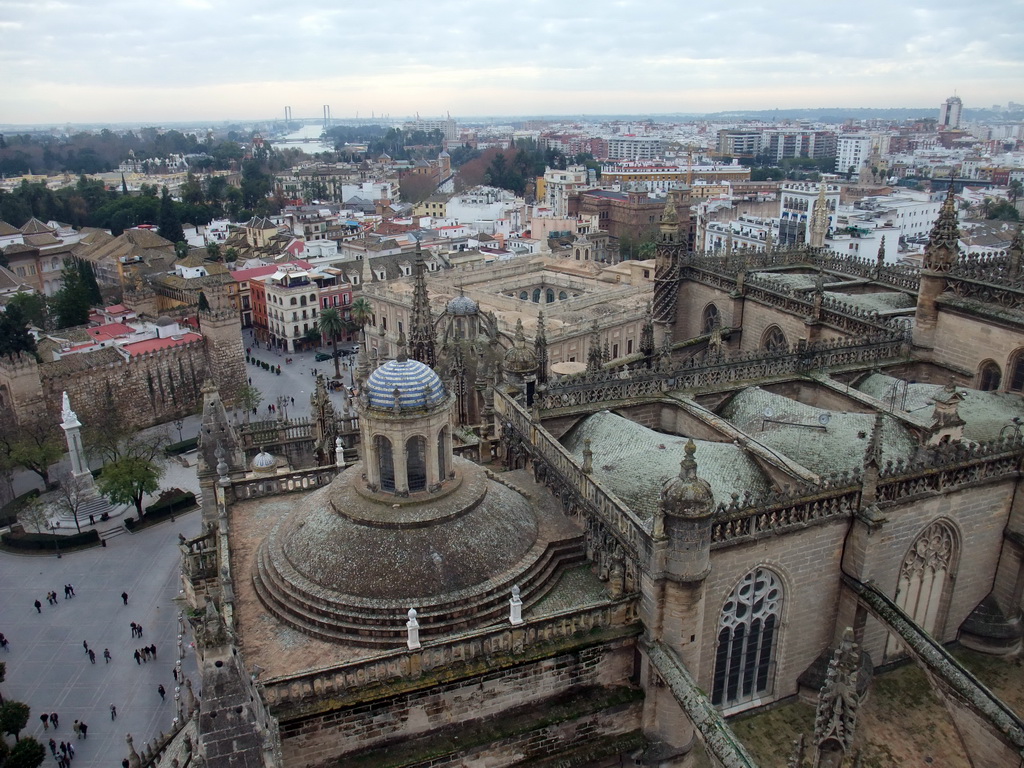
(170, 60)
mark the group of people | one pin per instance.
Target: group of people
(67, 752)
(51, 597)
(145, 653)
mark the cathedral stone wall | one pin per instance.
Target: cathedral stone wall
(693, 299)
(965, 342)
(322, 738)
(759, 317)
(807, 564)
(978, 514)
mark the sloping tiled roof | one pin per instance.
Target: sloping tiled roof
(34, 227)
(985, 414)
(634, 462)
(7, 229)
(793, 429)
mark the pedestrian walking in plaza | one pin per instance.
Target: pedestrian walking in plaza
(92, 656)
(138, 628)
(135, 629)
(145, 654)
(53, 720)
(77, 728)
(63, 749)
(124, 597)
(85, 645)
(175, 673)
(85, 734)
(160, 690)
(106, 655)
(53, 747)
(113, 712)
(4, 643)
(125, 763)
(71, 747)
(49, 598)
(152, 651)
(67, 591)
(39, 606)
(138, 657)
(45, 717)
(62, 762)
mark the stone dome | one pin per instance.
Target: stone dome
(163, 321)
(417, 384)
(349, 563)
(520, 358)
(462, 305)
(263, 462)
(687, 495)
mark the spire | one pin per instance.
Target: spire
(1015, 254)
(943, 242)
(647, 338)
(819, 219)
(540, 348)
(421, 326)
(666, 267)
(836, 717)
(880, 258)
(594, 356)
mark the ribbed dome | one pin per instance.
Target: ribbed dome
(520, 359)
(462, 305)
(263, 462)
(687, 495)
(418, 386)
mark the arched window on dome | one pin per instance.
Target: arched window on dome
(550, 297)
(524, 295)
(416, 463)
(926, 579)
(562, 296)
(536, 295)
(774, 340)
(1015, 372)
(709, 319)
(748, 630)
(989, 376)
(460, 331)
(442, 454)
(385, 463)
(577, 254)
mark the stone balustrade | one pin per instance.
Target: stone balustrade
(301, 480)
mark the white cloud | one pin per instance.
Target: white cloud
(121, 60)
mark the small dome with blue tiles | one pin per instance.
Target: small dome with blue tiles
(417, 384)
(462, 305)
(263, 462)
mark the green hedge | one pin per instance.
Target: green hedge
(170, 503)
(9, 512)
(45, 541)
(176, 449)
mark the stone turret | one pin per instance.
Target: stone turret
(225, 351)
(671, 240)
(216, 433)
(421, 324)
(672, 586)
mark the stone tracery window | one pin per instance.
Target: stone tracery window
(416, 463)
(1016, 372)
(774, 340)
(926, 574)
(709, 318)
(747, 636)
(385, 464)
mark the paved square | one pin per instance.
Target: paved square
(47, 667)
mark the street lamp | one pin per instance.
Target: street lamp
(178, 424)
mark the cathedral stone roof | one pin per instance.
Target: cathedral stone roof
(799, 431)
(634, 462)
(418, 386)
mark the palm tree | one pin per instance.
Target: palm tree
(331, 325)
(362, 313)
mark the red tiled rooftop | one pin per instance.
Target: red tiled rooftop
(152, 345)
(111, 331)
(240, 275)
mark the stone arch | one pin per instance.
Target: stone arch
(442, 454)
(562, 296)
(774, 340)
(709, 318)
(524, 295)
(385, 462)
(577, 254)
(748, 639)
(536, 295)
(549, 296)
(926, 579)
(1015, 372)
(416, 463)
(990, 377)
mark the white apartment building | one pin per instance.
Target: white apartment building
(852, 151)
(797, 201)
(559, 184)
(488, 210)
(635, 148)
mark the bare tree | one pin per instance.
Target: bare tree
(69, 494)
(35, 513)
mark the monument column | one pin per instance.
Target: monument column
(84, 486)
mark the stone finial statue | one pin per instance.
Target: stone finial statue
(339, 453)
(836, 716)
(67, 415)
(412, 627)
(515, 605)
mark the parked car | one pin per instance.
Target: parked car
(321, 356)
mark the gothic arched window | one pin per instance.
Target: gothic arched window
(416, 463)
(524, 295)
(926, 575)
(1016, 372)
(709, 318)
(385, 463)
(562, 296)
(550, 296)
(989, 376)
(774, 340)
(747, 636)
(536, 295)
(442, 452)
